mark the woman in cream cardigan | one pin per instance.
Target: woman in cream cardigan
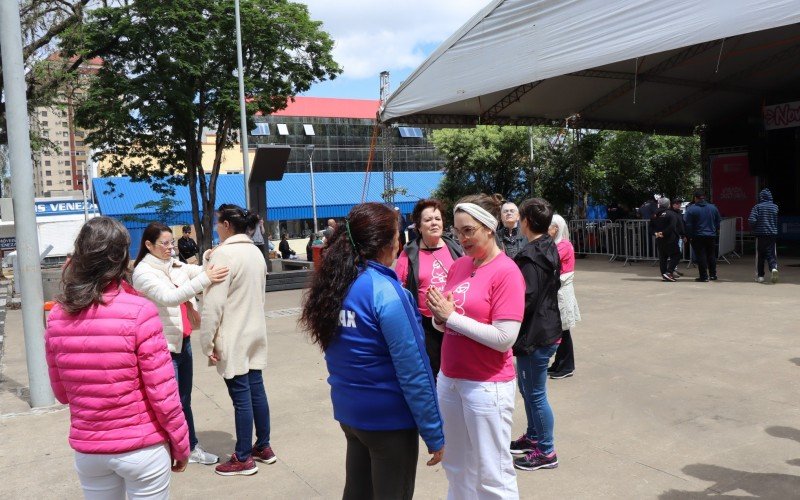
(564, 363)
(172, 285)
(235, 336)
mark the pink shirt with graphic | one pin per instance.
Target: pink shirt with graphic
(566, 253)
(433, 268)
(496, 292)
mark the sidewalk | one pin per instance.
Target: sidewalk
(682, 391)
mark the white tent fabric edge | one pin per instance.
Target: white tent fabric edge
(514, 42)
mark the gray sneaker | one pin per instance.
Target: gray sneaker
(201, 456)
(775, 275)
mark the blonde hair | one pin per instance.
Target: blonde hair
(562, 233)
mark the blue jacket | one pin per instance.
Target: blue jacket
(702, 219)
(380, 374)
(764, 216)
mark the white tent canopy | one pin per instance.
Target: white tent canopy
(664, 65)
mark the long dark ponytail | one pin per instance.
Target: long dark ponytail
(368, 231)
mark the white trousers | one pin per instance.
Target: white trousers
(477, 434)
(142, 473)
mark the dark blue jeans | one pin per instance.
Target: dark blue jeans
(182, 363)
(532, 380)
(250, 407)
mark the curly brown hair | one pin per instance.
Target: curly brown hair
(368, 231)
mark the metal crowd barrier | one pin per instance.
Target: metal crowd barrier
(595, 237)
(630, 239)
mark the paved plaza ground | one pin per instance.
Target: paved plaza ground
(682, 391)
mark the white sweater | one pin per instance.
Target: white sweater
(168, 284)
(234, 326)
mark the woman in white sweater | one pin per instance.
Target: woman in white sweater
(172, 285)
(235, 336)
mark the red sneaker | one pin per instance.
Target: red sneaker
(266, 455)
(234, 467)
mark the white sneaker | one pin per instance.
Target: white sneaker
(760, 279)
(775, 275)
(201, 456)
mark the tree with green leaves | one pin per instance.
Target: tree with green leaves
(43, 23)
(568, 168)
(486, 159)
(169, 76)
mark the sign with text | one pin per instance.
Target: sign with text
(9, 243)
(63, 207)
(733, 189)
(782, 115)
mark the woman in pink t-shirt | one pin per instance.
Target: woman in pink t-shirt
(564, 363)
(480, 313)
(425, 262)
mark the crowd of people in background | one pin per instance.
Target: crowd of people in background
(430, 339)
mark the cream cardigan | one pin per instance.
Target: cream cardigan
(233, 323)
(168, 284)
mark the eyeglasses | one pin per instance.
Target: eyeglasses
(465, 232)
(167, 244)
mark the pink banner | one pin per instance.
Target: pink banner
(733, 189)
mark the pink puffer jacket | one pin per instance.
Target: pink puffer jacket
(111, 364)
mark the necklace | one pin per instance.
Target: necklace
(476, 265)
(433, 254)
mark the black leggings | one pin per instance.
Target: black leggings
(433, 344)
(565, 356)
(380, 464)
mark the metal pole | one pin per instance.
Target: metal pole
(30, 275)
(313, 192)
(85, 201)
(242, 109)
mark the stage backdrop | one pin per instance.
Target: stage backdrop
(733, 190)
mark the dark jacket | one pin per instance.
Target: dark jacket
(665, 221)
(513, 240)
(285, 249)
(681, 227)
(541, 322)
(764, 216)
(412, 252)
(702, 219)
(187, 248)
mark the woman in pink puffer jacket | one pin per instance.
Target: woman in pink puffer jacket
(108, 360)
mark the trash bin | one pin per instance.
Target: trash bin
(51, 282)
(316, 252)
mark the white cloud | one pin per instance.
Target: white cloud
(376, 35)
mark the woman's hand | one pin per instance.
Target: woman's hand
(216, 274)
(179, 465)
(436, 458)
(213, 359)
(440, 305)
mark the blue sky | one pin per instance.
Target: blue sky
(377, 35)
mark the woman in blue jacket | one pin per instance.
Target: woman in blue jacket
(382, 387)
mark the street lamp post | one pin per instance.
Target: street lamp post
(242, 107)
(310, 151)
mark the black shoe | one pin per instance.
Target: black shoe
(712, 278)
(551, 368)
(677, 274)
(701, 280)
(560, 375)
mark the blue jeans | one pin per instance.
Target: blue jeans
(250, 406)
(532, 379)
(182, 363)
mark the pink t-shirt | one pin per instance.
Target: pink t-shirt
(434, 265)
(566, 253)
(496, 292)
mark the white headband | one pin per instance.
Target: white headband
(480, 214)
